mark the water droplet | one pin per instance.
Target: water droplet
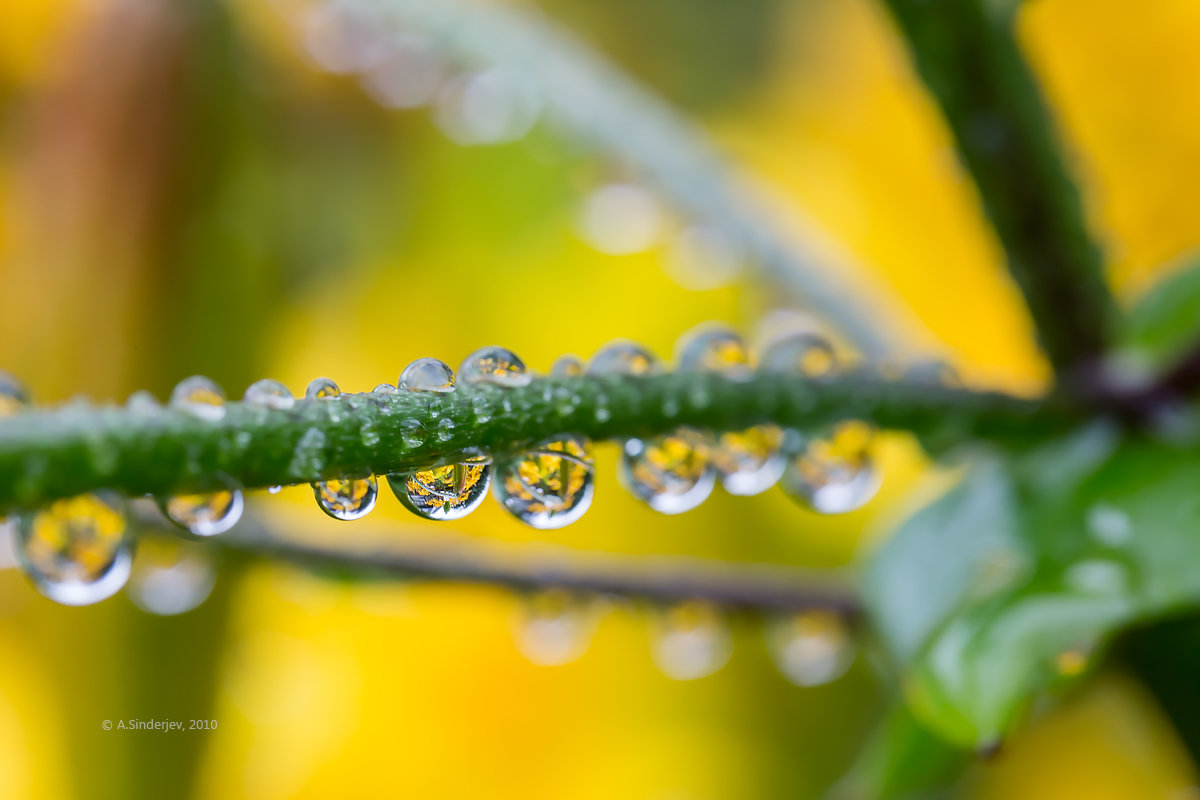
(321, 388)
(568, 366)
(445, 430)
(1109, 525)
(494, 365)
(936, 373)
(269, 393)
(802, 353)
(348, 498)
(200, 397)
(427, 375)
(715, 348)
(704, 257)
(412, 432)
(481, 404)
(446, 492)
(620, 219)
(204, 514)
(143, 403)
(691, 641)
(274, 489)
(170, 576)
(811, 648)
(489, 107)
(76, 551)
(624, 358)
(831, 474)
(13, 395)
(551, 486)
(671, 473)
(407, 77)
(555, 627)
(384, 388)
(1097, 576)
(339, 42)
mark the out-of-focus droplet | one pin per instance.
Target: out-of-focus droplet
(171, 576)
(444, 493)
(274, 489)
(143, 402)
(13, 395)
(806, 354)
(555, 627)
(551, 486)
(494, 365)
(568, 366)
(407, 77)
(1109, 525)
(269, 393)
(200, 397)
(489, 107)
(340, 42)
(620, 219)
(204, 514)
(936, 373)
(427, 375)
(715, 348)
(811, 648)
(671, 473)
(321, 388)
(76, 551)
(833, 473)
(704, 257)
(624, 358)
(691, 641)
(348, 498)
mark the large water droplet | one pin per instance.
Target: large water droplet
(170, 576)
(427, 375)
(624, 358)
(620, 219)
(811, 648)
(555, 627)
(831, 474)
(269, 393)
(446, 492)
(348, 498)
(671, 473)
(204, 514)
(494, 365)
(321, 388)
(802, 353)
(13, 395)
(76, 551)
(551, 486)
(691, 641)
(200, 397)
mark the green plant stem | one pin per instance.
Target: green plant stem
(967, 54)
(525, 567)
(49, 454)
(595, 104)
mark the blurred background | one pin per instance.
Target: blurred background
(185, 189)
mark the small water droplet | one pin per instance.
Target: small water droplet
(935, 373)
(13, 395)
(200, 397)
(620, 219)
(811, 648)
(348, 498)
(143, 403)
(384, 388)
(446, 492)
(691, 641)
(624, 358)
(671, 473)
(481, 404)
(704, 257)
(170, 576)
(204, 514)
(602, 413)
(489, 107)
(554, 627)
(321, 388)
(568, 366)
(412, 432)
(715, 348)
(802, 353)
(831, 474)
(1109, 525)
(494, 365)
(427, 375)
(445, 430)
(551, 486)
(76, 551)
(274, 489)
(269, 393)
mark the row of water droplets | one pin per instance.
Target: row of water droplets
(498, 105)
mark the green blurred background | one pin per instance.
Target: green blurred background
(182, 191)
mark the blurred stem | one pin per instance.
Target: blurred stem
(968, 56)
(595, 104)
(528, 568)
(50, 454)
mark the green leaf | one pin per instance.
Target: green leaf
(1097, 532)
(1166, 319)
(904, 760)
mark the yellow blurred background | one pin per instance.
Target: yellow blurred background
(182, 191)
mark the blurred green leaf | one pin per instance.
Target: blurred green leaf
(1167, 318)
(904, 760)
